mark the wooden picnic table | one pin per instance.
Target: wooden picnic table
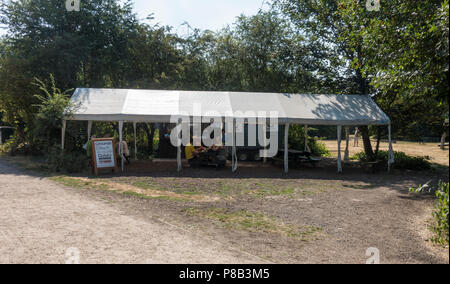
(210, 158)
(297, 157)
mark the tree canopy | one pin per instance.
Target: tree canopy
(398, 54)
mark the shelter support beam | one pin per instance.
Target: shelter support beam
(121, 144)
(265, 142)
(179, 163)
(234, 161)
(286, 148)
(135, 141)
(89, 130)
(307, 149)
(339, 159)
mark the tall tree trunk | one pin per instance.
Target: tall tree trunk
(444, 136)
(367, 143)
(150, 132)
(162, 131)
(377, 148)
(363, 85)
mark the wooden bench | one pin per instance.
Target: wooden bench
(373, 167)
(297, 157)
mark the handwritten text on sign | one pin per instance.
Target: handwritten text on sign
(104, 152)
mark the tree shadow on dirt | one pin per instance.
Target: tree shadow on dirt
(353, 177)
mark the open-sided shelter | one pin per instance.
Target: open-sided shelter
(158, 106)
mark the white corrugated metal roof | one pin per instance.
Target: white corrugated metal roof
(160, 105)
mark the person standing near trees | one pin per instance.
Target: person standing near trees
(356, 138)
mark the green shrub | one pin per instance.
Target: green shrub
(71, 162)
(53, 106)
(440, 215)
(402, 160)
(297, 142)
(318, 148)
(6, 147)
(19, 146)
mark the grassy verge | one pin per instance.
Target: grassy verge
(103, 184)
(37, 164)
(80, 184)
(220, 188)
(255, 222)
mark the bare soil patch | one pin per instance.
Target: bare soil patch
(431, 150)
(312, 215)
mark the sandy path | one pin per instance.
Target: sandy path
(41, 221)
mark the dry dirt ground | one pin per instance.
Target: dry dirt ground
(312, 215)
(44, 222)
(429, 150)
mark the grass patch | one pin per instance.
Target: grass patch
(220, 188)
(257, 189)
(71, 182)
(30, 163)
(169, 187)
(140, 195)
(402, 160)
(135, 194)
(77, 183)
(254, 222)
(274, 192)
(143, 185)
(440, 214)
(98, 185)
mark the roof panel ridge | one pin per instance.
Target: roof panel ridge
(125, 102)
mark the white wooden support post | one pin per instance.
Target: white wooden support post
(179, 165)
(135, 141)
(286, 148)
(63, 133)
(234, 151)
(121, 145)
(232, 147)
(347, 143)
(339, 159)
(307, 149)
(89, 130)
(265, 142)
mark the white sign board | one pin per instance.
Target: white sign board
(104, 154)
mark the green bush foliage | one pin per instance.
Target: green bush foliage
(51, 107)
(318, 148)
(18, 145)
(440, 227)
(71, 162)
(402, 160)
(441, 214)
(297, 141)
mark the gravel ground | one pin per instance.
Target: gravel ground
(41, 222)
(355, 211)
